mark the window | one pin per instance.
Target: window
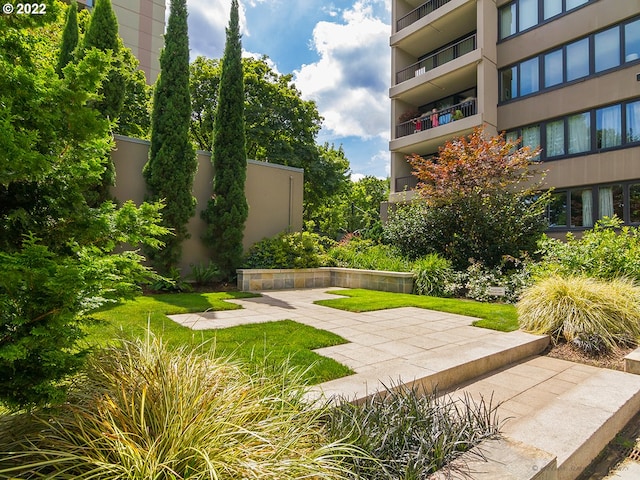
(607, 49)
(552, 8)
(632, 41)
(611, 201)
(508, 84)
(578, 59)
(529, 76)
(528, 14)
(579, 133)
(553, 68)
(608, 127)
(555, 138)
(634, 203)
(582, 208)
(557, 210)
(633, 122)
(531, 138)
(508, 20)
(571, 4)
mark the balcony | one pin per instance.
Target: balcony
(403, 184)
(437, 58)
(417, 13)
(435, 119)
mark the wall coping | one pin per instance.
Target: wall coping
(387, 273)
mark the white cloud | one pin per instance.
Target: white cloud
(350, 81)
(356, 177)
(207, 22)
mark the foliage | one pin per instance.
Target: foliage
(203, 274)
(596, 315)
(412, 230)
(408, 433)
(365, 254)
(135, 116)
(227, 211)
(56, 248)
(492, 315)
(172, 161)
(288, 250)
(69, 38)
(480, 195)
(432, 273)
(607, 251)
(142, 410)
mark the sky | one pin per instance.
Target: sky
(338, 52)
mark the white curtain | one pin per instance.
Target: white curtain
(579, 133)
(531, 138)
(609, 127)
(555, 138)
(633, 122)
(606, 201)
(587, 208)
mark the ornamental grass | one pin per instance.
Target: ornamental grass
(143, 411)
(595, 315)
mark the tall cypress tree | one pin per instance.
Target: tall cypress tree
(227, 211)
(172, 159)
(69, 38)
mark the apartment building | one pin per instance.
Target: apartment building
(561, 74)
(141, 26)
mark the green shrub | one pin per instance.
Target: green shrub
(607, 251)
(409, 434)
(431, 275)
(366, 255)
(144, 411)
(594, 314)
(512, 274)
(289, 250)
(203, 274)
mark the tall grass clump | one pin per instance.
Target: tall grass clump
(143, 411)
(409, 434)
(595, 315)
(432, 273)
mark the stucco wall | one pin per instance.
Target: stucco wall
(274, 194)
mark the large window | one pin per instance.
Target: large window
(609, 127)
(520, 15)
(587, 56)
(579, 133)
(633, 122)
(555, 138)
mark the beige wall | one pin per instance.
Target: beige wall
(274, 194)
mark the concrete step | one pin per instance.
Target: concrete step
(568, 410)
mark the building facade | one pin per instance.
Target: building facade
(141, 26)
(560, 74)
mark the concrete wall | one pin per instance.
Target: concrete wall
(274, 194)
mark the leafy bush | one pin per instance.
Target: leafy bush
(366, 255)
(143, 410)
(431, 275)
(512, 274)
(410, 229)
(410, 434)
(594, 314)
(607, 251)
(205, 274)
(289, 250)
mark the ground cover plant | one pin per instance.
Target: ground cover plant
(502, 317)
(409, 434)
(143, 410)
(277, 342)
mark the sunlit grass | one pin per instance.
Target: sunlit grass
(496, 316)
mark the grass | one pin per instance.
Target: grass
(495, 316)
(276, 342)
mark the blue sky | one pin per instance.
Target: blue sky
(338, 53)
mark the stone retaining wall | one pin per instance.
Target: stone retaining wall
(323, 277)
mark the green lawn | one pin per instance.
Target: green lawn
(277, 341)
(496, 316)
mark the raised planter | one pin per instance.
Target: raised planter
(322, 277)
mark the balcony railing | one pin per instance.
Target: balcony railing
(406, 183)
(416, 14)
(438, 58)
(435, 119)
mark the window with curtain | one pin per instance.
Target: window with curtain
(578, 59)
(527, 14)
(607, 49)
(579, 132)
(512, 137)
(611, 201)
(531, 138)
(634, 203)
(552, 8)
(582, 208)
(633, 122)
(608, 127)
(632, 41)
(529, 76)
(507, 20)
(508, 84)
(555, 138)
(553, 68)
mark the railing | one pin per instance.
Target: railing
(438, 58)
(434, 119)
(406, 183)
(422, 11)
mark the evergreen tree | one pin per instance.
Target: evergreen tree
(227, 211)
(172, 160)
(69, 38)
